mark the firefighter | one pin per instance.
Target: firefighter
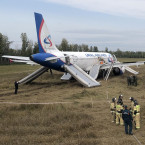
(131, 105)
(136, 113)
(128, 80)
(113, 108)
(119, 109)
(135, 80)
(132, 80)
(120, 99)
(127, 117)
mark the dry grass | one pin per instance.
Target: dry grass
(85, 121)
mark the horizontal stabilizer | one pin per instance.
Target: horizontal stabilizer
(20, 59)
(23, 61)
(17, 57)
(81, 76)
(51, 58)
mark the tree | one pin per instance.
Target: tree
(71, 47)
(75, 48)
(85, 48)
(25, 43)
(64, 45)
(106, 49)
(80, 48)
(91, 49)
(4, 44)
(36, 48)
(95, 49)
(1, 43)
(29, 50)
(4, 48)
(118, 53)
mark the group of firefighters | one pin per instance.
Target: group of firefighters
(132, 80)
(124, 116)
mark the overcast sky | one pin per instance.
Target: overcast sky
(103, 23)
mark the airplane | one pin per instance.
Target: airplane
(83, 66)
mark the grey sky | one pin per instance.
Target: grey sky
(104, 23)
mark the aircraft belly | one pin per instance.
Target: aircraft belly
(56, 66)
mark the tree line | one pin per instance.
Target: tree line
(28, 48)
(65, 46)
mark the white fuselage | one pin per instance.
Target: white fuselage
(86, 60)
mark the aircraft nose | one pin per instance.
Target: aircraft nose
(31, 58)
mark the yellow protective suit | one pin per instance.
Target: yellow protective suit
(119, 119)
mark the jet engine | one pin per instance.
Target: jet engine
(118, 70)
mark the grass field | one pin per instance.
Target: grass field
(82, 119)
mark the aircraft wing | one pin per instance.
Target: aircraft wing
(121, 64)
(20, 59)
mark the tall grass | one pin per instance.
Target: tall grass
(84, 121)
(52, 120)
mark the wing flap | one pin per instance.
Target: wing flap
(131, 70)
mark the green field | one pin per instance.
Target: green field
(83, 117)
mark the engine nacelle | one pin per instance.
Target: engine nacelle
(118, 70)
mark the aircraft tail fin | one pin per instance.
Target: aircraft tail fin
(45, 42)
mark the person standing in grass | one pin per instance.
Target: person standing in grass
(16, 87)
(120, 99)
(128, 80)
(136, 113)
(119, 109)
(127, 117)
(113, 109)
(131, 104)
